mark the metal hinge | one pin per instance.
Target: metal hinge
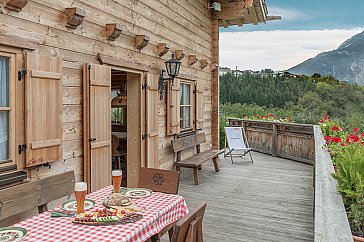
(22, 147)
(21, 74)
(144, 86)
(144, 136)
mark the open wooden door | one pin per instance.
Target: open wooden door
(152, 124)
(97, 126)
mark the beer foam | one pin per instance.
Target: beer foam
(117, 173)
(80, 186)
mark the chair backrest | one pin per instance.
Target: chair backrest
(188, 142)
(159, 180)
(23, 197)
(235, 137)
(115, 144)
(189, 228)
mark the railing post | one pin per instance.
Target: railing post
(274, 140)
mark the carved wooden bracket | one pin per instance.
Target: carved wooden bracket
(113, 31)
(162, 49)
(179, 54)
(213, 66)
(192, 59)
(75, 17)
(141, 41)
(203, 63)
(15, 5)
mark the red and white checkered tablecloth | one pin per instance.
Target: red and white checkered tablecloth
(159, 210)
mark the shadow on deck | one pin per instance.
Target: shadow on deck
(270, 200)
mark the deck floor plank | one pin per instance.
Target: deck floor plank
(269, 200)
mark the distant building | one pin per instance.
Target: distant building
(224, 70)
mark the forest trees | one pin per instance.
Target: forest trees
(304, 99)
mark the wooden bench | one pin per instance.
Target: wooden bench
(20, 198)
(195, 162)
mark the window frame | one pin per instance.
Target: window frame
(191, 105)
(15, 107)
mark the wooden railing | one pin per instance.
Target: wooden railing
(305, 143)
(331, 222)
(286, 140)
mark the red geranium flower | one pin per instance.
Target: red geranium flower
(343, 144)
(321, 121)
(335, 128)
(327, 138)
(356, 130)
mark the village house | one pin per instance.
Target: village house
(78, 76)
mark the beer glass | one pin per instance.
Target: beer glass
(80, 195)
(117, 176)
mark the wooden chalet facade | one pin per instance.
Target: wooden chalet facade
(63, 59)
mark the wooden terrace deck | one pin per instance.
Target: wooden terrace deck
(270, 200)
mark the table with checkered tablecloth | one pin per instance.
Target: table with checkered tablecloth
(159, 210)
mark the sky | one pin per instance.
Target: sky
(307, 28)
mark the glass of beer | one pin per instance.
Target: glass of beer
(117, 176)
(80, 195)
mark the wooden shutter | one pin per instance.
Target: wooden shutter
(98, 135)
(43, 109)
(152, 124)
(199, 105)
(173, 109)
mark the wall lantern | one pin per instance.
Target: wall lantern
(172, 67)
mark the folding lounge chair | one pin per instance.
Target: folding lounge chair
(236, 143)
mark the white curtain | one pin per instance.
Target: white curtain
(4, 102)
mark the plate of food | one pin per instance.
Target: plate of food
(120, 202)
(107, 216)
(12, 234)
(117, 199)
(71, 205)
(139, 193)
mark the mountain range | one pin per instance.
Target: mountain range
(346, 63)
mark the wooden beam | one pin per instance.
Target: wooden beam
(179, 54)
(192, 59)
(15, 5)
(141, 41)
(113, 31)
(215, 85)
(75, 17)
(270, 18)
(162, 49)
(203, 63)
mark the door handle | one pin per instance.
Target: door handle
(92, 139)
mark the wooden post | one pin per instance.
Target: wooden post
(274, 141)
(215, 86)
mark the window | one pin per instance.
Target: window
(5, 109)
(185, 106)
(186, 117)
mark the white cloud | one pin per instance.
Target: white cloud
(279, 49)
(287, 14)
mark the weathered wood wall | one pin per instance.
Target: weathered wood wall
(286, 140)
(183, 24)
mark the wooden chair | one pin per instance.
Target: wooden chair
(116, 155)
(160, 181)
(189, 228)
(29, 195)
(237, 143)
